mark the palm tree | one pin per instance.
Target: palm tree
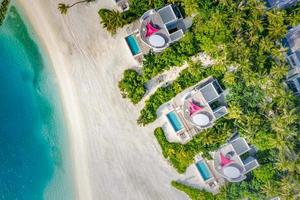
(111, 20)
(289, 188)
(270, 189)
(65, 7)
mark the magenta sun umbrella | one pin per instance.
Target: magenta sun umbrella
(193, 108)
(224, 160)
(150, 29)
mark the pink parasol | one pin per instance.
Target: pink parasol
(224, 160)
(194, 108)
(150, 29)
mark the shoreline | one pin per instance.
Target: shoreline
(109, 151)
(70, 112)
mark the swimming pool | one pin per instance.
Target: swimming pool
(175, 121)
(203, 170)
(133, 44)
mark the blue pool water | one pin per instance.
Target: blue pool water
(31, 130)
(133, 44)
(175, 121)
(203, 170)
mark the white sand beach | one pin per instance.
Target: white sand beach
(113, 157)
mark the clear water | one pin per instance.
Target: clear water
(133, 44)
(203, 170)
(175, 121)
(31, 130)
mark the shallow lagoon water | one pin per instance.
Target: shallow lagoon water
(33, 145)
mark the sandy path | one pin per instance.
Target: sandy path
(113, 157)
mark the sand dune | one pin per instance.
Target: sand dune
(113, 158)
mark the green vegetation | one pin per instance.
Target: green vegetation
(132, 86)
(194, 194)
(246, 35)
(3, 10)
(63, 8)
(181, 156)
(154, 64)
(111, 20)
(175, 55)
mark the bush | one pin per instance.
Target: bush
(132, 86)
(111, 20)
(265, 173)
(181, 156)
(194, 194)
(175, 55)
(3, 10)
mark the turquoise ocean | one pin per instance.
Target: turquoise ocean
(33, 140)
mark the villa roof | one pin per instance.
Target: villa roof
(176, 35)
(250, 164)
(210, 92)
(293, 39)
(240, 146)
(167, 14)
(281, 3)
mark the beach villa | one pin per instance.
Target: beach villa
(162, 27)
(231, 163)
(156, 30)
(193, 110)
(292, 43)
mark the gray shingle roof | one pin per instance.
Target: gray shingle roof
(281, 3)
(176, 35)
(250, 164)
(209, 92)
(240, 146)
(167, 14)
(293, 39)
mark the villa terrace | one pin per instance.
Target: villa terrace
(227, 166)
(193, 110)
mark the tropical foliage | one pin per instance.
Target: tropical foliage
(3, 10)
(244, 38)
(173, 56)
(132, 86)
(246, 35)
(111, 20)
